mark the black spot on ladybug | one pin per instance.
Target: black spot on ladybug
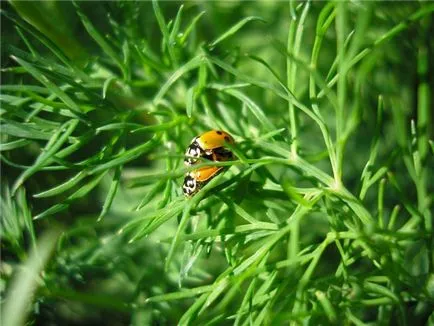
(219, 132)
(227, 138)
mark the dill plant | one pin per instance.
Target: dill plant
(325, 217)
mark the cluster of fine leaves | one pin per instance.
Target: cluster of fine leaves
(325, 216)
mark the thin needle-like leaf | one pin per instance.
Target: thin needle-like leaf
(234, 29)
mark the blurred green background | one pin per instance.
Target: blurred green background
(104, 69)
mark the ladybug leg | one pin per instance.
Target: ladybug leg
(223, 154)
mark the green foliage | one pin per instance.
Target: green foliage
(325, 216)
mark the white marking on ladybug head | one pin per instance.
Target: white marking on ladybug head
(190, 185)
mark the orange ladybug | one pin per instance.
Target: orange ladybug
(196, 179)
(209, 145)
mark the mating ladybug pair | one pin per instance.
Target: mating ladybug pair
(209, 146)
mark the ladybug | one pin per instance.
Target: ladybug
(196, 179)
(210, 146)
